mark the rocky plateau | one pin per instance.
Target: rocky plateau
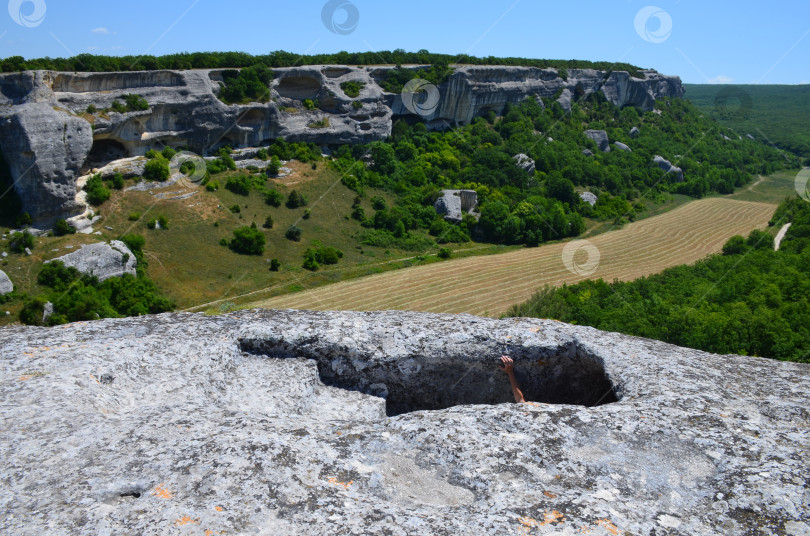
(295, 422)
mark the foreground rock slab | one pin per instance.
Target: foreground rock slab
(274, 422)
(6, 285)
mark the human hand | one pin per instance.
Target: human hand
(506, 364)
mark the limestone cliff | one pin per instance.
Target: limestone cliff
(293, 422)
(48, 138)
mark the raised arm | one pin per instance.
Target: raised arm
(508, 366)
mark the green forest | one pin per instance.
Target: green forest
(280, 58)
(749, 300)
(770, 113)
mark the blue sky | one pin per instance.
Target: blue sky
(701, 41)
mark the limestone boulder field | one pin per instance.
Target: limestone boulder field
(293, 422)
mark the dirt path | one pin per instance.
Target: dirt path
(489, 285)
(752, 185)
(779, 236)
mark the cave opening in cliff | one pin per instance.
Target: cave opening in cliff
(103, 152)
(418, 383)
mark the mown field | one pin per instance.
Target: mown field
(489, 285)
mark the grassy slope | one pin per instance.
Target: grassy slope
(777, 114)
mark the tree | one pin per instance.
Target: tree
(274, 166)
(156, 169)
(97, 193)
(273, 197)
(247, 240)
(735, 245)
(760, 240)
(293, 233)
(275, 264)
(62, 227)
(295, 200)
(268, 222)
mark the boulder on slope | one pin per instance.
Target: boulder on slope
(102, 260)
(601, 139)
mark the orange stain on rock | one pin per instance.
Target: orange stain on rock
(218, 508)
(162, 492)
(608, 526)
(344, 485)
(549, 495)
(185, 520)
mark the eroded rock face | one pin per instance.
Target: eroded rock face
(622, 147)
(589, 197)
(102, 260)
(454, 204)
(48, 143)
(274, 422)
(601, 139)
(525, 163)
(6, 285)
(667, 167)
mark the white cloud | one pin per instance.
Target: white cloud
(102, 31)
(722, 79)
(91, 48)
(804, 82)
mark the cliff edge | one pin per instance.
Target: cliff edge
(49, 139)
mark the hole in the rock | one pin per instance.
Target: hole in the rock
(103, 152)
(298, 87)
(414, 383)
(130, 495)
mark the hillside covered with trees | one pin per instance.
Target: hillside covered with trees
(748, 300)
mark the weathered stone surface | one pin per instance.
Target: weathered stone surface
(102, 260)
(237, 423)
(667, 167)
(622, 147)
(49, 148)
(587, 152)
(44, 149)
(601, 139)
(634, 132)
(565, 99)
(6, 285)
(525, 163)
(589, 197)
(454, 204)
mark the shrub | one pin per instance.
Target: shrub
(247, 241)
(134, 216)
(151, 224)
(352, 88)
(212, 186)
(275, 264)
(223, 163)
(168, 153)
(118, 181)
(357, 105)
(295, 200)
(151, 153)
(62, 228)
(134, 242)
(310, 263)
(273, 167)
(91, 109)
(24, 220)
(309, 104)
(293, 233)
(236, 209)
(135, 103)
(97, 193)
(239, 185)
(445, 253)
(268, 222)
(320, 123)
(378, 203)
(118, 107)
(20, 241)
(261, 154)
(273, 197)
(307, 214)
(164, 223)
(157, 169)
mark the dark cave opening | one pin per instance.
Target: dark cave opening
(102, 153)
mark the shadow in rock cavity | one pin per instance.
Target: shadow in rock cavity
(566, 375)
